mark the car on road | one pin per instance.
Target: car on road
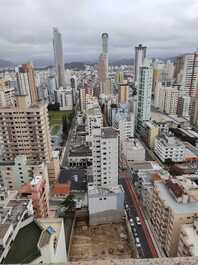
(137, 242)
(131, 222)
(138, 245)
(135, 231)
(138, 220)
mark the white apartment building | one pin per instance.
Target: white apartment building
(133, 150)
(20, 171)
(144, 94)
(105, 206)
(94, 119)
(184, 104)
(105, 157)
(166, 99)
(126, 128)
(140, 55)
(189, 75)
(169, 147)
(171, 101)
(7, 94)
(82, 94)
(65, 98)
(105, 196)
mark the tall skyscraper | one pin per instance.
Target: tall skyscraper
(144, 94)
(105, 38)
(59, 58)
(140, 55)
(103, 64)
(187, 74)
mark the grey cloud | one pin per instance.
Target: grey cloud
(167, 27)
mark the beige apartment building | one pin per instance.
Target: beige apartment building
(24, 129)
(172, 206)
(188, 240)
(123, 92)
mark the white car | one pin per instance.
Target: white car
(126, 206)
(138, 220)
(137, 240)
(138, 245)
(131, 222)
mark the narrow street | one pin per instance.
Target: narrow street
(147, 249)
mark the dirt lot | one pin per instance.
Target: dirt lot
(99, 242)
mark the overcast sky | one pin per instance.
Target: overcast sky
(167, 27)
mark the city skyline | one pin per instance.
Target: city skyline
(170, 28)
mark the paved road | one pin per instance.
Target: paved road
(147, 249)
(64, 162)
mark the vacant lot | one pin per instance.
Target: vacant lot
(55, 120)
(99, 242)
(55, 117)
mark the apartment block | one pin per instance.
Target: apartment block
(167, 147)
(133, 150)
(151, 131)
(14, 215)
(105, 157)
(7, 94)
(144, 94)
(94, 119)
(15, 173)
(172, 206)
(37, 191)
(188, 240)
(25, 131)
(105, 196)
(123, 92)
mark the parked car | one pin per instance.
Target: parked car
(138, 220)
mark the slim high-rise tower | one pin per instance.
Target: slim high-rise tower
(59, 58)
(144, 94)
(105, 38)
(103, 64)
(140, 55)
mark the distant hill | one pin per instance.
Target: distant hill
(122, 62)
(6, 64)
(75, 65)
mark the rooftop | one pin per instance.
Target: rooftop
(75, 177)
(61, 189)
(179, 208)
(3, 229)
(109, 132)
(133, 143)
(158, 261)
(144, 165)
(81, 150)
(102, 191)
(191, 238)
(24, 248)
